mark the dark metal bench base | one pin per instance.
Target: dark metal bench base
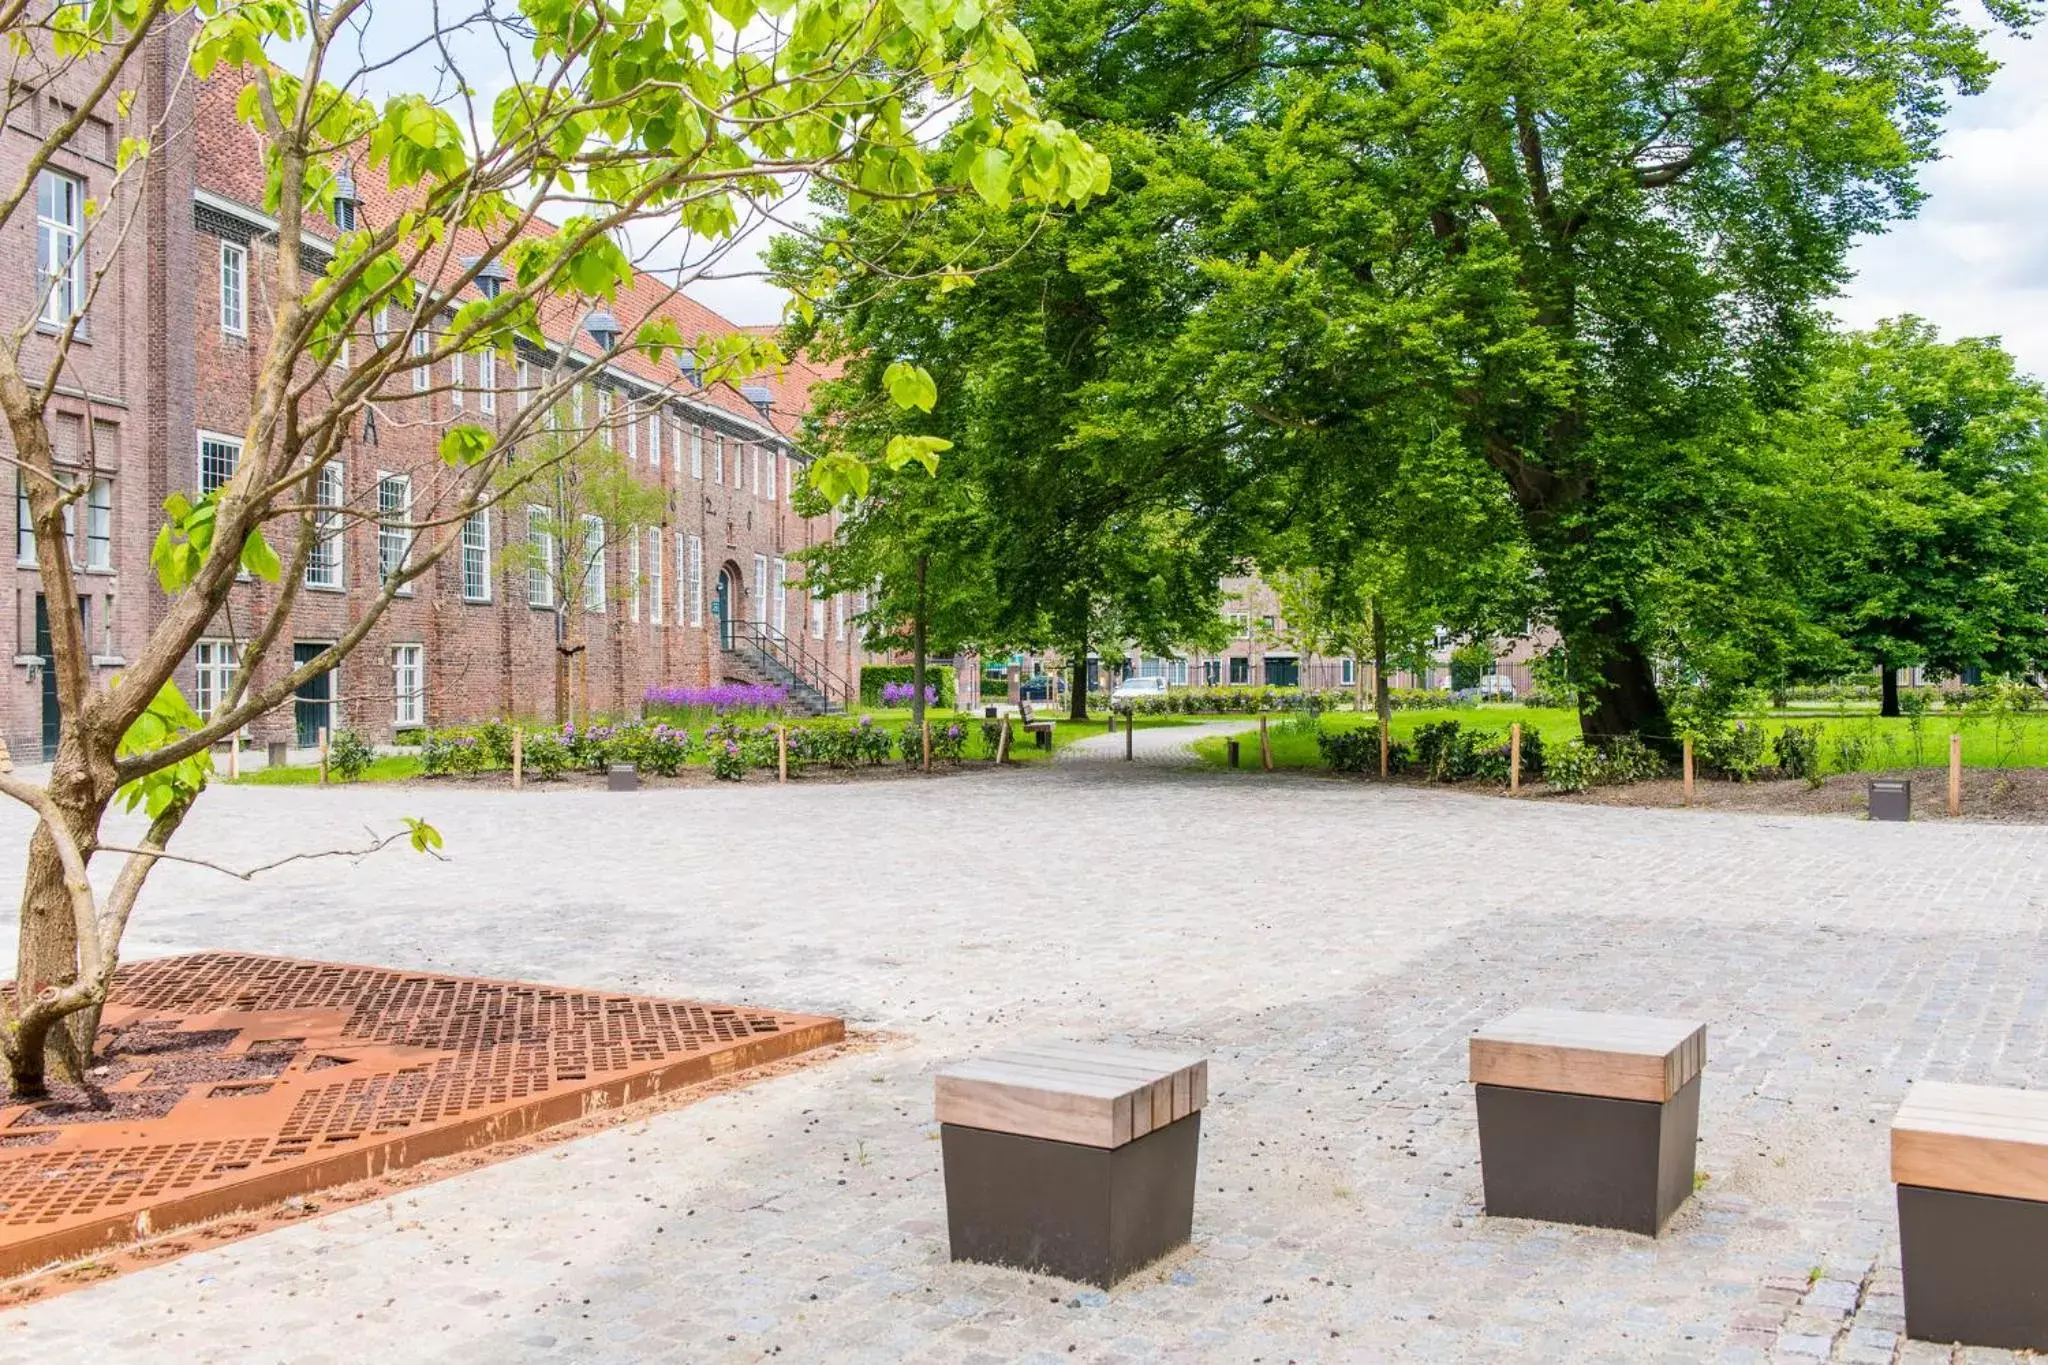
(1587, 1159)
(1976, 1268)
(1093, 1214)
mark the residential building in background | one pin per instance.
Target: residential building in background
(165, 370)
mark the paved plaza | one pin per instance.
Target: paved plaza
(1329, 944)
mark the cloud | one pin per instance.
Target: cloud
(1975, 261)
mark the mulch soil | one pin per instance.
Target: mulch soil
(2016, 796)
(698, 775)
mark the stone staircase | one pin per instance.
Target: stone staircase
(746, 663)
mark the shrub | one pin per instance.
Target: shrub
(949, 741)
(1797, 750)
(1495, 762)
(349, 755)
(1447, 752)
(1851, 749)
(992, 735)
(544, 755)
(1469, 663)
(663, 751)
(1573, 768)
(684, 702)
(1625, 759)
(874, 677)
(1737, 751)
(728, 763)
(1358, 751)
(496, 737)
(870, 741)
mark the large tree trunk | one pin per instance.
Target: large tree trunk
(917, 648)
(1888, 691)
(1621, 697)
(1077, 699)
(47, 954)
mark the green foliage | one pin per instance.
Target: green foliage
(1469, 663)
(1797, 751)
(1737, 751)
(168, 717)
(874, 677)
(349, 755)
(1358, 751)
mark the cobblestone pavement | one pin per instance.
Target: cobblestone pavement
(1329, 944)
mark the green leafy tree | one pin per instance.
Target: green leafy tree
(1953, 572)
(584, 505)
(1579, 250)
(485, 215)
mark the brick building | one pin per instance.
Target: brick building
(165, 372)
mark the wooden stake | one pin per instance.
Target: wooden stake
(323, 755)
(1514, 758)
(1130, 725)
(1003, 736)
(234, 757)
(518, 757)
(1955, 774)
(1688, 770)
(927, 738)
(1386, 742)
(1265, 747)
(782, 750)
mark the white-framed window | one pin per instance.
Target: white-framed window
(1177, 672)
(99, 524)
(633, 578)
(761, 586)
(717, 458)
(487, 381)
(380, 326)
(593, 564)
(654, 609)
(654, 439)
(817, 617)
(696, 580)
(323, 560)
(632, 432)
(408, 685)
(839, 617)
(455, 380)
(476, 556)
(524, 376)
(422, 375)
(604, 417)
(696, 452)
(214, 665)
(60, 245)
(540, 569)
(394, 534)
(25, 526)
(772, 458)
(781, 596)
(234, 289)
(218, 458)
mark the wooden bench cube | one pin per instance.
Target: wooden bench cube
(1971, 1162)
(1588, 1118)
(1069, 1160)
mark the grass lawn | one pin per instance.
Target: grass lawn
(1850, 742)
(386, 768)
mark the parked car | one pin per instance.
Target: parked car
(1496, 687)
(1131, 689)
(1037, 687)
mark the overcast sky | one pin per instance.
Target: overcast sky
(1975, 262)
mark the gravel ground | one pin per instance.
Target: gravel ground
(1329, 944)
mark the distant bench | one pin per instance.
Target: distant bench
(1971, 1162)
(1069, 1160)
(1039, 730)
(1588, 1118)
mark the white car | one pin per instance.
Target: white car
(1496, 687)
(1132, 689)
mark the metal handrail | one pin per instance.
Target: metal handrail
(811, 669)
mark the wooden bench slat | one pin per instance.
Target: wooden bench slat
(1618, 1056)
(1977, 1139)
(1101, 1097)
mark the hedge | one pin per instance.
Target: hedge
(873, 677)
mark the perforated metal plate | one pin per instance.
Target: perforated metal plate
(231, 1080)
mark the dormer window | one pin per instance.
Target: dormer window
(491, 277)
(603, 329)
(761, 397)
(345, 199)
(686, 361)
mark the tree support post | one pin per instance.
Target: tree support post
(1265, 747)
(323, 755)
(1515, 758)
(1003, 742)
(1688, 770)
(926, 738)
(1130, 727)
(1955, 774)
(782, 751)
(518, 757)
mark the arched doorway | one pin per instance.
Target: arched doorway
(721, 608)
